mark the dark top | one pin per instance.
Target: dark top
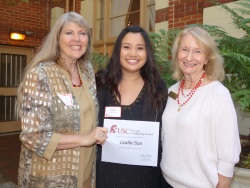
(113, 175)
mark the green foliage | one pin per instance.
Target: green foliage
(162, 44)
(99, 61)
(238, 21)
(245, 155)
(236, 53)
(246, 161)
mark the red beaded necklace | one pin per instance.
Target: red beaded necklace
(80, 83)
(190, 94)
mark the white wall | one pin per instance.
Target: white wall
(161, 25)
(160, 4)
(87, 11)
(56, 12)
(218, 16)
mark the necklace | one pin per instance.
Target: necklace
(80, 83)
(182, 93)
(191, 93)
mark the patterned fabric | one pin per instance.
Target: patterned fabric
(44, 117)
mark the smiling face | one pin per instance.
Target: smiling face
(133, 53)
(191, 57)
(73, 42)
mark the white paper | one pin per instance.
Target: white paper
(131, 142)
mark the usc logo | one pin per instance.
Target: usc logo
(114, 129)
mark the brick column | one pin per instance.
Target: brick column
(184, 12)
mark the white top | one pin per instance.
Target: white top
(202, 139)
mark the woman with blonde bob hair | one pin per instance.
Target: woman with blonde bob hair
(200, 136)
(214, 68)
(58, 109)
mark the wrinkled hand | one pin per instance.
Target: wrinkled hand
(97, 136)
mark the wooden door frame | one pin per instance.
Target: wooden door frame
(13, 126)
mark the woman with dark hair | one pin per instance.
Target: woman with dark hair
(132, 83)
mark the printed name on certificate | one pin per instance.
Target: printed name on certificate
(131, 142)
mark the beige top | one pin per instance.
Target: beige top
(88, 120)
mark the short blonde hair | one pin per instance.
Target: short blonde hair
(214, 68)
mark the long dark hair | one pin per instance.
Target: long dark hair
(112, 75)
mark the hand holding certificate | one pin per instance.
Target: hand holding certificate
(131, 142)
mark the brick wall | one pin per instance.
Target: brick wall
(78, 6)
(58, 3)
(184, 12)
(33, 17)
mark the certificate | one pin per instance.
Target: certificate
(131, 142)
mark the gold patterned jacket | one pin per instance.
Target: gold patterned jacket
(44, 117)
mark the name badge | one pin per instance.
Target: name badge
(173, 95)
(66, 98)
(112, 111)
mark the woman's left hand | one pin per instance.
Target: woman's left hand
(224, 182)
(98, 136)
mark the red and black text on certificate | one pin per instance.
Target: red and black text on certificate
(131, 142)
